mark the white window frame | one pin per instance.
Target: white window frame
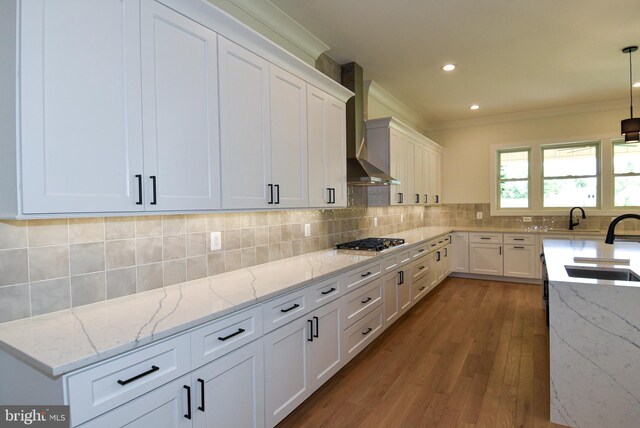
(615, 142)
(499, 180)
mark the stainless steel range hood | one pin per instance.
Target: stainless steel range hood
(359, 170)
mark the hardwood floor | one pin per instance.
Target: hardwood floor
(471, 354)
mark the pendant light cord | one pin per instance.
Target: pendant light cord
(630, 85)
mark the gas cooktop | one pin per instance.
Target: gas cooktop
(371, 244)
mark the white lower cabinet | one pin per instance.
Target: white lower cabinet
(299, 357)
(460, 252)
(397, 294)
(485, 259)
(520, 261)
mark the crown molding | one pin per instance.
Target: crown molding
(531, 114)
(392, 122)
(272, 17)
(385, 98)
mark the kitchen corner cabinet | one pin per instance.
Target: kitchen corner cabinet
(327, 144)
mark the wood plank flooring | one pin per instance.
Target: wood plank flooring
(471, 354)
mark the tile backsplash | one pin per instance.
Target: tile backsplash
(49, 265)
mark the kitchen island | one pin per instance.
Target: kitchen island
(594, 335)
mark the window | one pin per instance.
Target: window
(513, 171)
(626, 174)
(570, 175)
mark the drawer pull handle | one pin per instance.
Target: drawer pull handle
(518, 239)
(364, 333)
(188, 414)
(421, 288)
(368, 299)
(433, 245)
(484, 237)
(421, 250)
(201, 381)
(331, 290)
(240, 331)
(290, 309)
(136, 377)
(440, 242)
(421, 267)
(519, 248)
(366, 274)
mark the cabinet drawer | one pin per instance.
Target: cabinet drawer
(419, 269)
(363, 332)
(486, 238)
(392, 262)
(286, 308)
(362, 301)
(519, 239)
(324, 292)
(221, 336)
(422, 250)
(419, 288)
(123, 378)
(442, 241)
(355, 279)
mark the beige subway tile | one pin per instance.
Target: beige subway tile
(86, 258)
(148, 226)
(121, 227)
(297, 231)
(196, 244)
(297, 247)
(173, 224)
(261, 219)
(286, 232)
(14, 302)
(215, 263)
(233, 260)
(232, 221)
(215, 222)
(286, 249)
(148, 250)
(196, 267)
(13, 234)
(51, 295)
(48, 262)
(83, 230)
(262, 235)
(275, 234)
(275, 218)
(174, 247)
(262, 254)
(196, 223)
(247, 220)
(232, 239)
(274, 252)
(175, 271)
(13, 266)
(149, 277)
(248, 257)
(86, 289)
(120, 253)
(248, 238)
(48, 232)
(121, 282)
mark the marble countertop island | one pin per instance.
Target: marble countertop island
(594, 335)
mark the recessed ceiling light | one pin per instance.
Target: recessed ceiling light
(449, 67)
(636, 85)
(474, 107)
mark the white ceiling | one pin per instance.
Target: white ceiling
(512, 55)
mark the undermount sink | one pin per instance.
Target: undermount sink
(615, 274)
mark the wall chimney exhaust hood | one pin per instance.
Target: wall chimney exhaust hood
(359, 170)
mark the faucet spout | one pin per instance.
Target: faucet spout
(611, 236)
(571, 223)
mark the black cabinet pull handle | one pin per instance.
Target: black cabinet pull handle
(402, 198)
(270, 186)
(519, 248)
(433, 245)
(421, 250)
(440, 242)
(290, 309)
(329, 190)
(277, 186)
(201, 381)
(364, 333)
(446, 252)
(365, 274)
(154, 183)
(240, 331)
(417, 198)
(425, 198)
(500, 250)
(331, 290)
(518, 239)
(310, 338)
(421, 267)
(136, 377)
(368, 299)
(437, 199)
(437, 256)
(188, 414)
(485, 237)
(139, 178)
(401, 279)
(421, 288)
(317, 327)
(333, 191)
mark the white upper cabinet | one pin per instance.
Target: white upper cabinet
(180, 111)
(327, 149)
(288, 139)
(435, 163)
(81, 125)
(244, 127)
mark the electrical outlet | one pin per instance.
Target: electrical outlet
(307, 230)
(216, 241)
(479, 215)
(526, 219)
(375, 222)
(401, 218)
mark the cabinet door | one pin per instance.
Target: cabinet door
(404, 291)
(164, 407)
(459, 252)
(245, 144)
(435, 161)
(396, 166)
(418, 188)
(81, 120)
(288, 138)
(520, 261)
(409, 175)
(318, 148)
(391, 284)
(286, 380)
(427, 197)
(180, 111)
(337, 149)
(229, 392)
(326, 352)
(485, 259)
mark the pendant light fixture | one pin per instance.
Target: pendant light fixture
(630, 128)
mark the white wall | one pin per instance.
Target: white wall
(465, 162)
